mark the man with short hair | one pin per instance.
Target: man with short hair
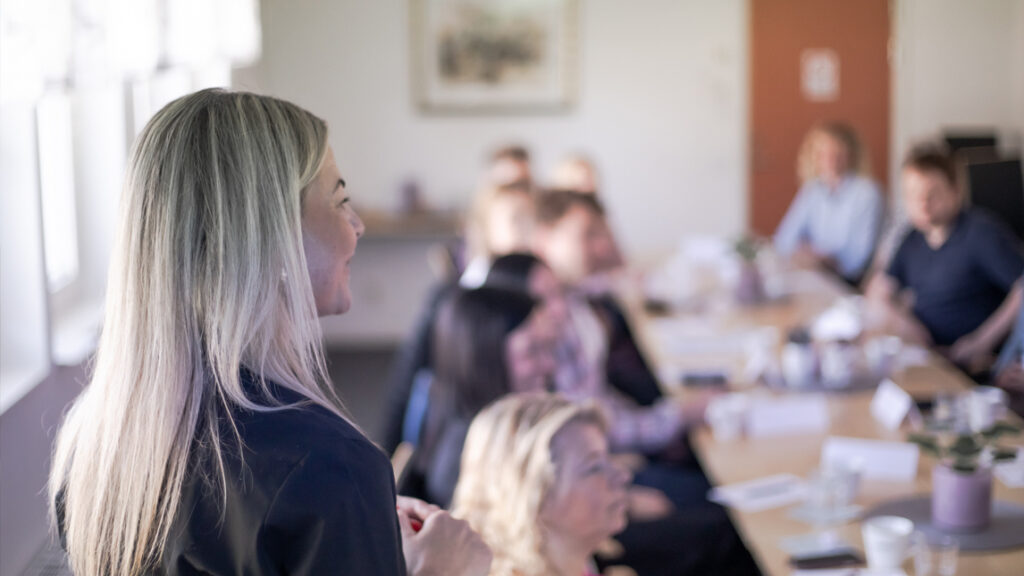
(957, 270)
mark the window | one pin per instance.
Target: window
(65, 127)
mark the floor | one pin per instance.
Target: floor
(361, 378)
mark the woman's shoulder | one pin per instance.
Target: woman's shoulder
(864, 186)
(304, 430)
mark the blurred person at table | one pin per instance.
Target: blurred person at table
(577, 173)
(835, 219)
(580, 376)
(954, 280)
(509, 166)
(1008, 372)
(488, 343)
(572, 237)
(210, 439)
(491, 343)
(499, 221)
(539, 485)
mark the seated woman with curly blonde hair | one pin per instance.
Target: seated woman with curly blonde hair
(538, 485)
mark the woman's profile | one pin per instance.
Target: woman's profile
(209, 438)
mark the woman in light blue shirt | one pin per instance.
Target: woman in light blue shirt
(835, 219)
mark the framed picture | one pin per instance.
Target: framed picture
(486, 56)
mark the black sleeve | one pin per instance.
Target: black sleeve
(626, 369)
(998, 253)
(414, 354)
(335, 515)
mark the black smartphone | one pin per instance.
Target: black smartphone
(708, 379)
(832, 559)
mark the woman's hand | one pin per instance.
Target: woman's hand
(443, 545)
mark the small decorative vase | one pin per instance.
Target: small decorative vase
(750, 288)
(961, 501)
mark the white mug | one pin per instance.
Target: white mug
(799, 365)
(838, 365)
(985, 406)
(886, 541)
(726, 415)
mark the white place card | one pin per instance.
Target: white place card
(787, 416)
(761, 494)
(891, 404)
(878, 459)
(848, 572)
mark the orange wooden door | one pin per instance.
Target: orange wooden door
(789, 41)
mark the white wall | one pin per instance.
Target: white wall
(958, 64)
(662, 107)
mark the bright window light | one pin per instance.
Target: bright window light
(240, 23)
(57, 189)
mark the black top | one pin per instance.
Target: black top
(960, 284)
(315, 497)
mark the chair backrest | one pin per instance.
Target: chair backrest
(998, 186)
(416, 408)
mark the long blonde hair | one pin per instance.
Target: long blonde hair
(507, 472)
(858, 160)
(208, 277)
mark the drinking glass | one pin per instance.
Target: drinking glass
(935, 556)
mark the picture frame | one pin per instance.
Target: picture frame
(493, 57)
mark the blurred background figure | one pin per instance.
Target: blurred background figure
(510, 166)
(540, 486)
(954, 280)
(1008, 372)
(576, 173)
(835, 219)
(501, 221)
(489, 343)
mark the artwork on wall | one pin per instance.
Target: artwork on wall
(486, 56)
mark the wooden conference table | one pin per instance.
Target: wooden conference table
(751, 458)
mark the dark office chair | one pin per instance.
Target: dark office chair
(997, 185)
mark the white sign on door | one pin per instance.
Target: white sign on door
(819, 74)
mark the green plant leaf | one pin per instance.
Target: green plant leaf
(999, 429)
(965, 465)
(965, 445)
(927, 443)
(1002, 453)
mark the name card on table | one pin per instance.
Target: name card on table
(891, 404)
(787, 416)
(761, 494)
(876, 459)
(848, 572)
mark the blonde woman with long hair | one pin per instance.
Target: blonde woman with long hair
(538, 484)
(835, 219)
(209, 438)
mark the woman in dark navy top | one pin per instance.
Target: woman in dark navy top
(209, 439)
(960, 266)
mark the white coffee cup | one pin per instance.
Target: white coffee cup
(883, 354)
(985, 406)
(886, 541)
(838, 365)
(726, 416)
(799, 365)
